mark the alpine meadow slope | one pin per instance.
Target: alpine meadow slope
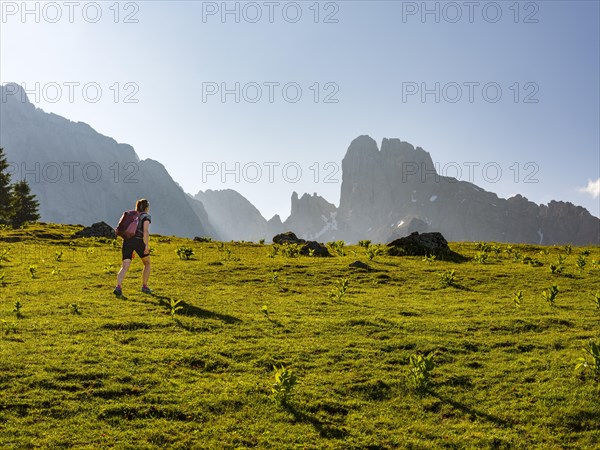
(192, 366)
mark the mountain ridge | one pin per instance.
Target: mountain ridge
(386, 191)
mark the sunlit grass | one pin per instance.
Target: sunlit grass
(82, 368)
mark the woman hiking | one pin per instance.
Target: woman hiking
(139, 243)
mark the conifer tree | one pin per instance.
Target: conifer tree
(6, 203)
(25, 206)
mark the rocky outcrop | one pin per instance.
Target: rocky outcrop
(98, 229)
(309, 248)
(314, 216)
(425, 244)
(81, 176)
(289, 237)
(394, 191)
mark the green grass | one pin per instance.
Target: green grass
(124, 373)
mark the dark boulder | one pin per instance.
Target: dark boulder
(423, 244)
(318, 249)
(99, 229)
(287, 238)
(290, 238)
(360, 265)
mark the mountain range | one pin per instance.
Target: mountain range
(82, 176)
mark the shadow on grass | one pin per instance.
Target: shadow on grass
(193, 311)
(456, 285)
(466, 409)
(325, 430)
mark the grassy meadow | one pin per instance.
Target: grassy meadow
(192, 366)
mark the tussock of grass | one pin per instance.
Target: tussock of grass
(131, 373)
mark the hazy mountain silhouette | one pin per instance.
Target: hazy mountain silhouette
(81, 176)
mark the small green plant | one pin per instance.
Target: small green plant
(533, 262)
(74, 309)
(109, 268)
(4, 256)
(550, 294)
(58, 255)
(33, 271)
(285, 381)
(311, 252)
(447, 278)
(372, 251)
(568, 249)
(481, 257)
(596, 299)
(220, 246)
(175, 306)
(266, 313)
(593, 366)
(429, 259)
(420, 370)
(517, 256)
(273, 250)
(184, 252)
(56, 272)
(261, 242)
(340, 290)
(581, 262)
(365, 243)
(338, 247)
(2, 282)
(482, 246)
(18, 306)
(228, 253)
(290, 250)
(555, 269)
(517, 297)
(7, 327)
(275, 280)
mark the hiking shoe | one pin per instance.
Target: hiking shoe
(118, 292)
(147, 290)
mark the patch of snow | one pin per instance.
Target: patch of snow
(413, 199)
(493, 204)
(329, 225)
(433, 198)
(541, 235)
(400, 223)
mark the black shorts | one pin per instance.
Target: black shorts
(131, 245)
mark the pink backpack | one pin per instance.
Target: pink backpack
(128, 224)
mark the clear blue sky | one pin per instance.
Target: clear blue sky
(546, 51)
